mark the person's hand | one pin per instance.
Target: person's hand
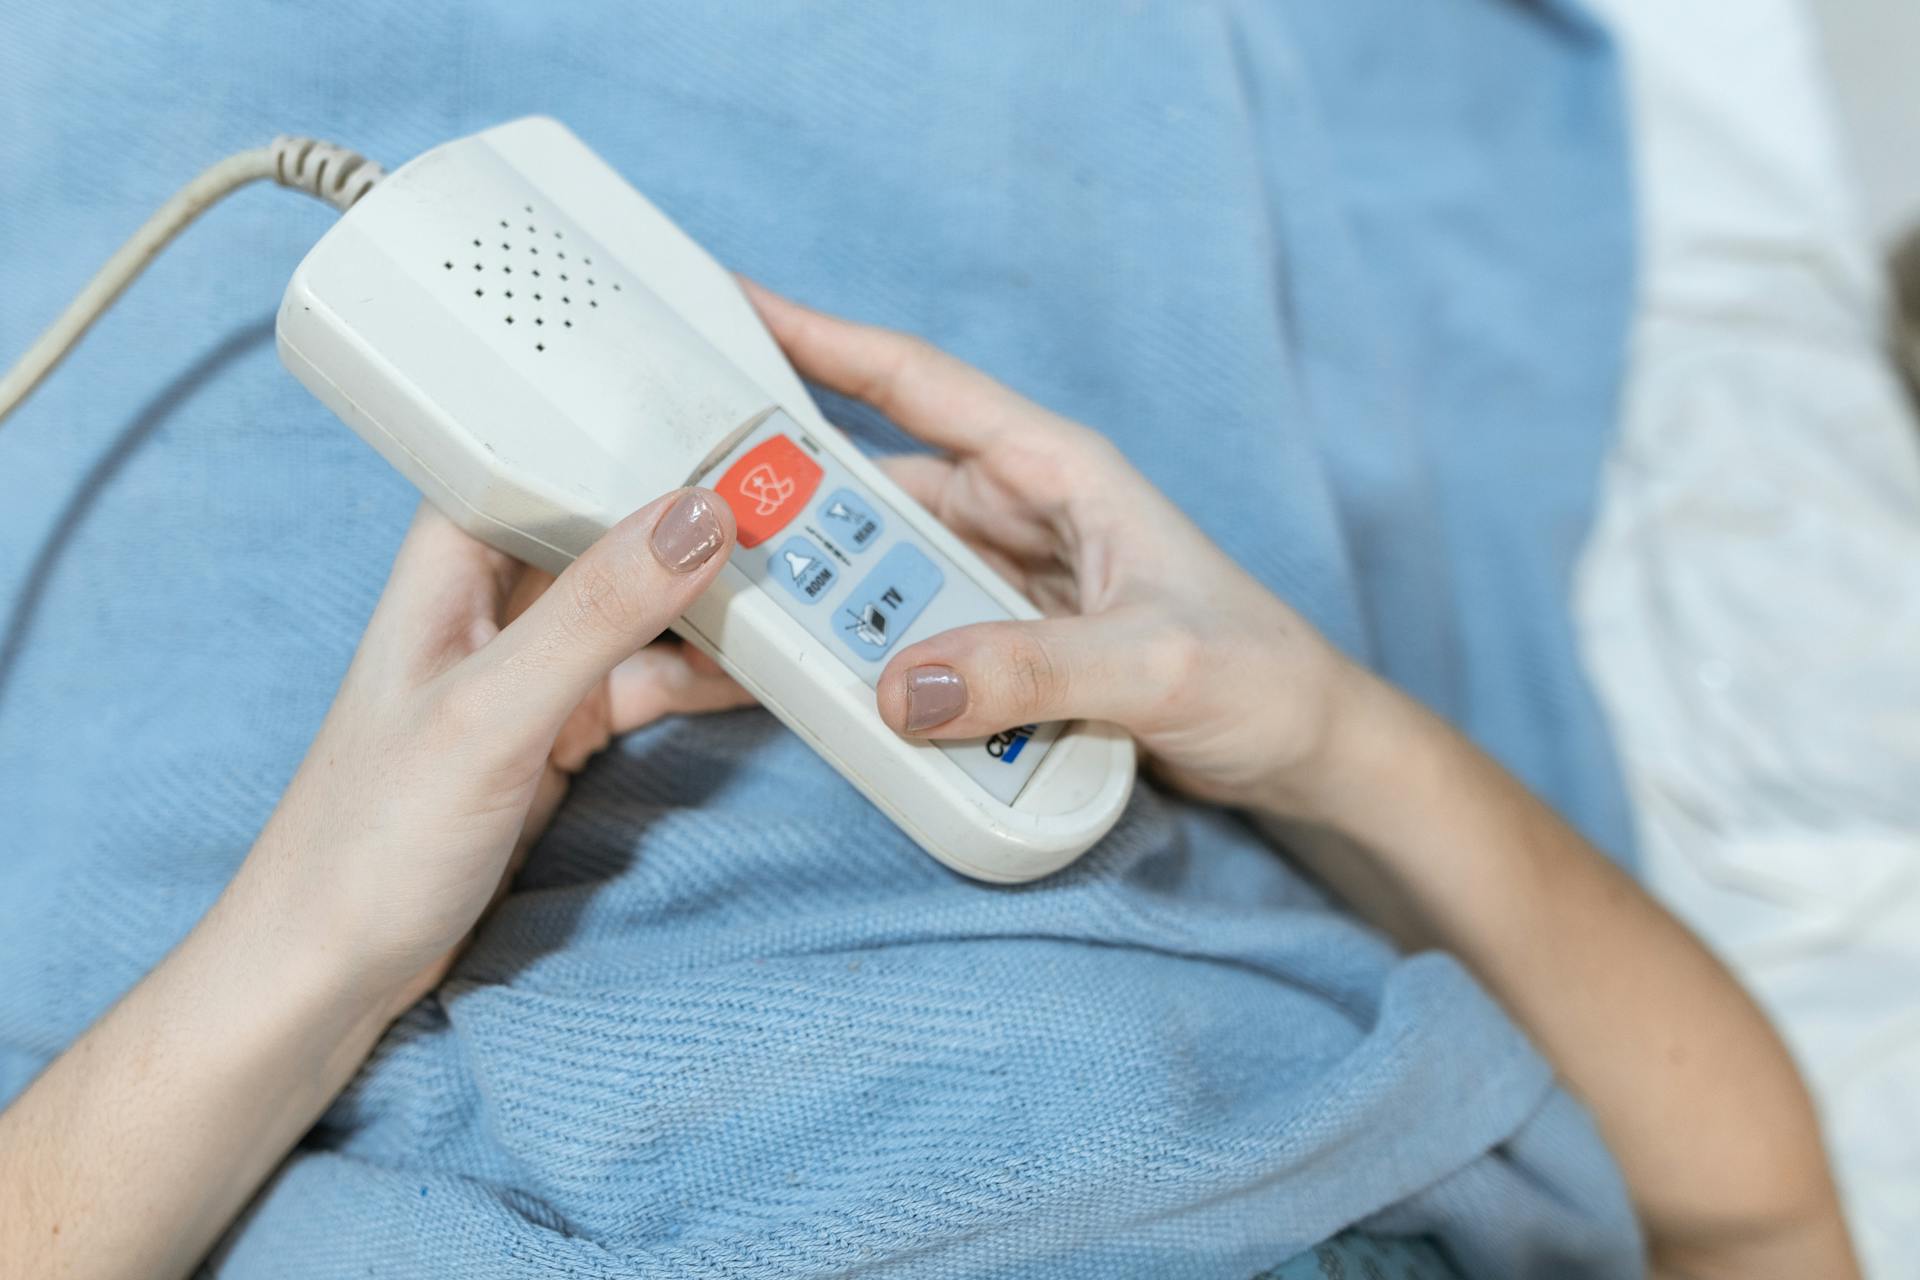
(1235, 698)
(480, 687)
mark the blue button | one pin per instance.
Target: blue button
(886, 603)
(803, 569)
(849, 517)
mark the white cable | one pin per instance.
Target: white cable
(321, 169)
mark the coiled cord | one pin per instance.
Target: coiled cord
(324, 170)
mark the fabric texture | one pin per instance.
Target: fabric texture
(1352, 1257)
(1349, 282)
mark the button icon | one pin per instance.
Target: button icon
(803, 569)
(888, 600)
(767, 487)
(850, 518)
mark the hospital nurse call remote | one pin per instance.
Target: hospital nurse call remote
(541, 352)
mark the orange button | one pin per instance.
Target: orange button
(767, 488)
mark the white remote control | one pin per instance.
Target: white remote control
(541, 352)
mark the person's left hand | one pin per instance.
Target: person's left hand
(480, 688)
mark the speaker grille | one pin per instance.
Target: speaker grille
(534, 275)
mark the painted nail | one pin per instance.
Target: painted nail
(935, 695)
(688, 535)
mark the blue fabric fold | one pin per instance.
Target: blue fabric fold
(1349, 281)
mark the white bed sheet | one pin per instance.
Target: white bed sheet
(1749, 602)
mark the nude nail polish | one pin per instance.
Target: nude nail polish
(935, 695)
(689, 533)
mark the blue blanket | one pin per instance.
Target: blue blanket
(1348, 280)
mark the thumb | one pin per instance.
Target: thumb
(982, 679)
(620, 594)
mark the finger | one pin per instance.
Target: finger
(532, 584)
(928, 393)
(924, 476)
(436, 548)
(1000, 541)
(620, 594)
(585, 734)
(442, 595)
(547, 795)
(700, 662)
(666, 679)
(982, 679)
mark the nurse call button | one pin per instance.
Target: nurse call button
(768, 487)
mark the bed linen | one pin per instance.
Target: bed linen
(1350, 282)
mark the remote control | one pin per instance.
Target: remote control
(541, 351)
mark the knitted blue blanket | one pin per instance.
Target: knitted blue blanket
(1348, 280)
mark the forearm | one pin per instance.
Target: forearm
(478, 690)
(1693, 1091)
(139, 1145)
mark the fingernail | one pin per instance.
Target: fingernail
(689, 534)
(935, 695)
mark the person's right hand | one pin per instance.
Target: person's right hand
(480, 688)
(1234, 696)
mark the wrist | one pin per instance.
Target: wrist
(299, 950)
(1371, 736)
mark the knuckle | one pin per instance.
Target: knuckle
(1174, 660)
(909, 358)
(1034, 679)
(460, 714)
(1044, 470)
(1083, 445)
(1041, 460)
(581, 739)
(601, 600)
(472, 721)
